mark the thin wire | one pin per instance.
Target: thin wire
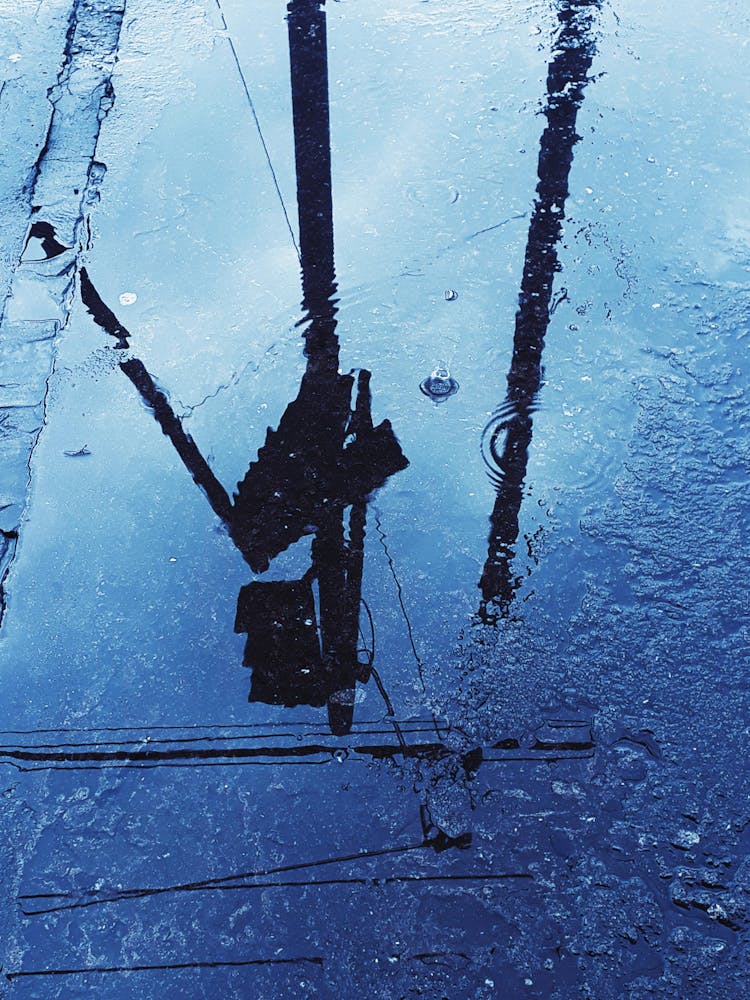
(376, 676)
(260, 131)
(404, 613)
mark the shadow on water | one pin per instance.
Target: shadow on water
(507, 437)
(315, 472)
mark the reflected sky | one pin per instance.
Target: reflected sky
(316, 472)
(453, 779)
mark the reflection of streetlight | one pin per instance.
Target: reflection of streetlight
(439, 385)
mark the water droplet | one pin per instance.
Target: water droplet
(439, 385)
(128, 298)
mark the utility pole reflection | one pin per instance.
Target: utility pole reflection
(316, 471)
(507, 437)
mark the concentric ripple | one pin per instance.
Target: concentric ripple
(498, 449)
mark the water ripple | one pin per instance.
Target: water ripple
(504, 439)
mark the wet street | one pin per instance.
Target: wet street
(374, 499)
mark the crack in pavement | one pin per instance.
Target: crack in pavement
(61, 188)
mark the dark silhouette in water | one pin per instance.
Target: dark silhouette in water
(315, 472)
(49, 245)
(507, 437)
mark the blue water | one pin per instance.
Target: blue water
(447, 698)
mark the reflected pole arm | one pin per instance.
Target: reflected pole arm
(156, 400)
(171, 425)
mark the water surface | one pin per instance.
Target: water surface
(313, 683)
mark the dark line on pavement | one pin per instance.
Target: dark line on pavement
(171, 967)
(219, 883)
(364, 881)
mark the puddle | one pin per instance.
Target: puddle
(282, 639)
(32, 302)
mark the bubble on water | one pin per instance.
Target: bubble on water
(433, 192)
(440, 384)
(128, 298)
(450, 295)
